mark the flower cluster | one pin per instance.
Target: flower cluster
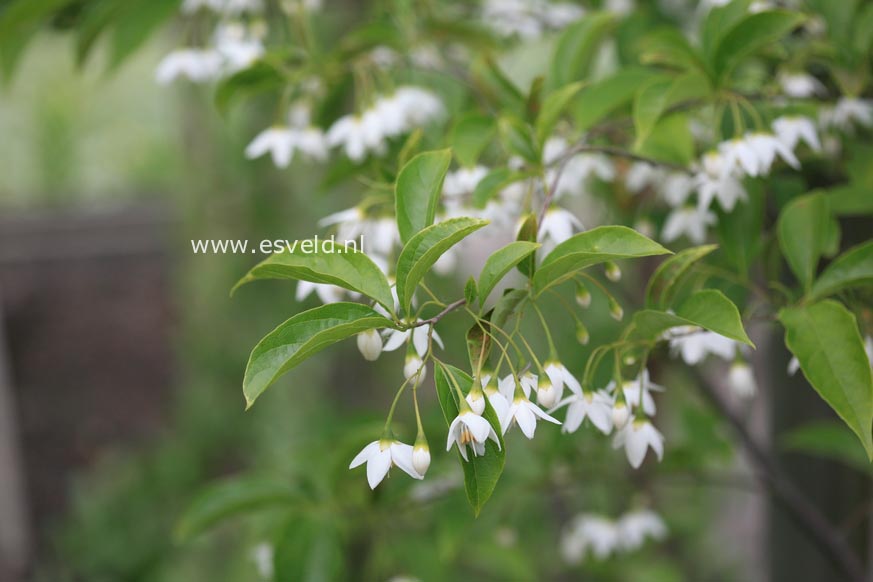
(601, 537)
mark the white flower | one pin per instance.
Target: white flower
(642, 175)
(550, 388)
(397, 338)
(695, 346)
(588, 532)
(632, 388)
(690, 221)
(792, 130)
(800, 85)
(525, 414)
(720, 179)
(326, 293)
(636, 438)
(383, 454)
(281, 142)
(357, 134)
(476, 400)
(238, 46)
(470, 429)
(676, 188)
(414, 370)
(558, 225)
(620, 414)
(196, 65)
(635, 526)
(421, 458)
(370, 344)
(463, 181)
(847, 112)
(741, 380)
(596, 407)
(528, 19)
(755, 153)
(576, 171)
(379, 233)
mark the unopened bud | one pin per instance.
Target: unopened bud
(476, 400)
(421, 458)
(547, 396)
(613, 272)
(582, 335)
(620, 415)
(370, 344)
(742, 380)
(414, 367)
(583, 296)
(615, 310)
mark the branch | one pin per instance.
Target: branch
(448, 309)
(816, 526)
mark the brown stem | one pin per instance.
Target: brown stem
(807, 516)
(448, 309)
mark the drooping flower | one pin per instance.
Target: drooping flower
(524, 413)
(421, 457)
(691, 221)
(800, 85)
(847, 112)
(636, 526)
(596, 407)
(632, 395)
(282, 141)
(470, 429)
(326, 293)
(463, 181)
(414, 369)
(558, 225)
(419, 334)
(370, 344)
(196, 65)
(550, 387)
(588, 533)
(791, 130)
(383, 454)
(718, 181)
(636, 438)
(741, 380)
(694, 346)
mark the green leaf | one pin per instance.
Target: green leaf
(302, 336)
(331, 263)
(709, 309)
(850, 200)
(803, 232)
(604, 243)
(670, 141)
(655, 98)
(135, 24)
(260, 77)
(853, 268)
(517, 139)
(552, 109)
(666, 278)
(480, 473)
(829, 440)
(670, 47)
(501, 262)
(309, 549)
(749, 35)
(824, 338)
(423, 250)
(478, 344)
(493, 183)
(471, 291)
(577, 46)
(507, 307)
(470, 136)
(597, 100)
(528, 233)
(734, 227)
(230, 498)
(718, 22)
(417, 191)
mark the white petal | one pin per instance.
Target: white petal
(364, 455)
(377, 467)
(401, 454)
(526, 421)
(396, 338)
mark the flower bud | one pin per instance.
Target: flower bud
(613, 272)
(583, 296)
(582, 335)
(615, 309)
(421, 458)
(742, 380)
(370, 344)
(411, 368)
(620, 415)
(476, 400)
(547, 396)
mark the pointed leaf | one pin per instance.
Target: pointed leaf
(423, 250)
(480, 473)
(604, 243)
(302, 336)
(470, 136)
(577, 47)
(709, 309)
(666, 278)
(824, 338)
(552, 109)
(331, 263)
(804, 225)
(851, 269)
(749, 35)
(417, 191)
(501, 262)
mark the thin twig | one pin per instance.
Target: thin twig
(448, 309)
(814, 524)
